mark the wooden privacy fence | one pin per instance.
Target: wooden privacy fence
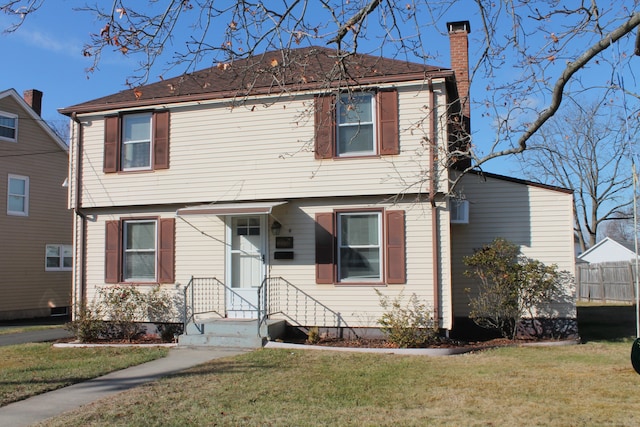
(606, 282)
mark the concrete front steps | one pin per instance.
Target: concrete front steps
(235, 333)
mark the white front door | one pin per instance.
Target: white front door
(245, 264)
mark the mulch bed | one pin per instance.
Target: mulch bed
(441, 343)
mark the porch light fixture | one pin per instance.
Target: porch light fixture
(275, 228)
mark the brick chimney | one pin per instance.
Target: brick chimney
(33, 97)
(460, 115)
(459, 45)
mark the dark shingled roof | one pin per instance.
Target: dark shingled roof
(271, 72)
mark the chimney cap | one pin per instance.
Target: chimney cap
(459, 26)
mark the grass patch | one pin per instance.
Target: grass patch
(591, 384)
(30, 369)
(19, 329)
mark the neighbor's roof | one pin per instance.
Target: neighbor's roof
(11, 93)
(271, 72)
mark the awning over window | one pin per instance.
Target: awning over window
(255, 208)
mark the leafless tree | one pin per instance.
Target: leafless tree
(620, 227)
(586, 148)
(534, 53)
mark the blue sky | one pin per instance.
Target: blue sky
(45, 54)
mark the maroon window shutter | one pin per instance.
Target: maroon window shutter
(161, 140)
(395, 248)
(111, 144)
(325, 126)
(325, 247)
(166, 256)
(388, 125)
(112, 252)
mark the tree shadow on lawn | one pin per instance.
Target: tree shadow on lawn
(608, 322)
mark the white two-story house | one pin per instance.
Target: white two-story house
(276, 186)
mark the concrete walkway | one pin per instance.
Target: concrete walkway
(47, 405)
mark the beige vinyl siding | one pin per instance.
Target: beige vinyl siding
(27, 289)
(538, 219)
(200, 252)
(259, 150)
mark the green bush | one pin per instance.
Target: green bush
(511, 285)
(407, 326)
(118, 312)
(87, 324)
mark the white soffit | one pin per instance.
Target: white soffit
(255, 208)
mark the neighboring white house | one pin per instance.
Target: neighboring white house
(287, 196)
(609, 250)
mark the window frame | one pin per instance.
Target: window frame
(392, 224)
(340, 246)
(61, 248)
(126, 252)
(124, 143)
(164, 250)
(25, 196)
(15, 117)
(386, 127)
(341, 126)
(158, 147)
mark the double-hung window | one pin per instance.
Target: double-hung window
(359, 247)
(139, 257)
(136, 142)
(356, 127)
(356, 124)
(140, 250)
(8, 127)
(58, 258)
(18, 195)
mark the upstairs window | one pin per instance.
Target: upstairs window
(356, 130)
(58, 258)
(357, 124)
(18, 195)
(136, 142)
(8, 127)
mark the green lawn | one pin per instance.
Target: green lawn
(30, 369)
(592, 384)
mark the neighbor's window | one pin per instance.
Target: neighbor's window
(356, 130)
(136, 141)
(18, 195)
(359, 247)
(139, 259)
(8, 127)
(58, 257)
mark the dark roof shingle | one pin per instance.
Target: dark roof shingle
(271, 72)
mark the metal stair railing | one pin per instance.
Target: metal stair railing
(208, 295)
(276, 295)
